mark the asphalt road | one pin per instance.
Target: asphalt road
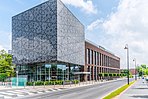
(96, 91)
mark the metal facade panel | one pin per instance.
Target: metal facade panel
(34, 34)
(47, 32)
(70, 36)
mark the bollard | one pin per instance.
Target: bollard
(44, 84)
(11, 84)
(33, 84)
(63, 84)
(70, 83)
(54, 85)
(79, 83)
(24, 85)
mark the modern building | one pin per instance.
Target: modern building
(48, 42)
(99, 60)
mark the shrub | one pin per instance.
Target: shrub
(114, 74)
(105, 74)
(101, 74)
(56, 82)
(29, 83)
(38, 83)
(110, 75)
(75, 81)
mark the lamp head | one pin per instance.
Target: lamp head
(126, 46)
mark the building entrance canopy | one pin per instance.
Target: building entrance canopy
(78, 73)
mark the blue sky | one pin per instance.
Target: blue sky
(9, 8)
(109, 23)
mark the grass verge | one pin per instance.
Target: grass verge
(118, 91)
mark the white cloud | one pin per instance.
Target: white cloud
(94, 25)
(129, 24)
(86, 5)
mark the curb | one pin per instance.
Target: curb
(124, 91)
(77, 86)
(116, 97)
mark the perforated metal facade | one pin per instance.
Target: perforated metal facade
(45, 33)
(70, 36)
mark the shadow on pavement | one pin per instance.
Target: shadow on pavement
(140, 96)
(139, 88)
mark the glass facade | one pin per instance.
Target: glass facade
(53, 71)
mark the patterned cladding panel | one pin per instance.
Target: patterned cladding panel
(34, 34)
(70, 36)
(47, 32)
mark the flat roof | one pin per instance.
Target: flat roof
(102, 48)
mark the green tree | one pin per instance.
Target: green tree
(142, 70)
(143, 66)
(3, 76)
(124, 71)
(6, 69)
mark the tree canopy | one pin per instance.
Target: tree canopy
(142, 70)
(6, 69)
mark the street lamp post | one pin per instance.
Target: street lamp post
(17, 78)
(126, 47)
(135, 68)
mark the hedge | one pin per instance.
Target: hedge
(56, 82)
(105, 74)
(114, 74)
(111, 75)
(101, 74)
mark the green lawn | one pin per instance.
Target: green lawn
(118, 91)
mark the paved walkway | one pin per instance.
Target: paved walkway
(14, 92)
(59, 86)
(138, 90)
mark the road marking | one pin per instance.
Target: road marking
(24, 92)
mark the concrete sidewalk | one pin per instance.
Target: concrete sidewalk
(138, 90)
(58, 86)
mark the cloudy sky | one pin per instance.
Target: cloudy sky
(109, 23)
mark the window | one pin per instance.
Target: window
(92, 56)
(87, 56)
(100, 55)
(95, 59)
